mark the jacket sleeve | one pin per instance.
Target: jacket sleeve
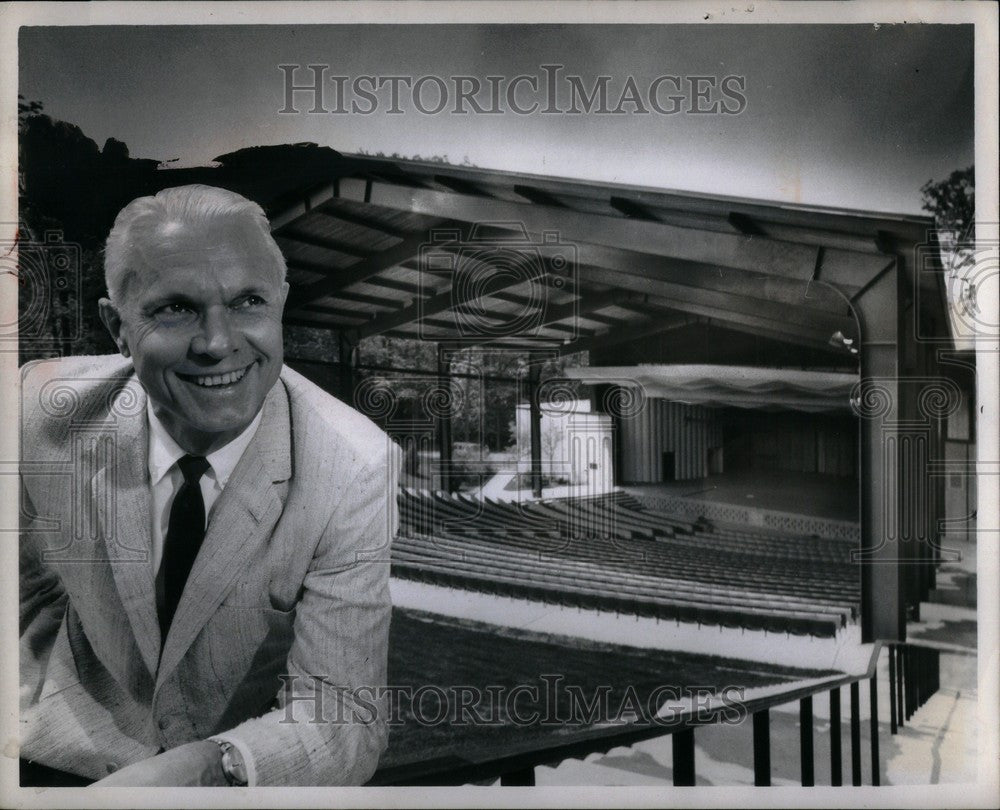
(329, 727)
(42, 607)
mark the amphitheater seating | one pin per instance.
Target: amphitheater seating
(611, 553)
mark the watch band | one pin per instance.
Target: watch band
(233, 767)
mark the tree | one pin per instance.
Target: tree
(953, 204)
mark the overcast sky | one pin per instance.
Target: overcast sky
(846, 116)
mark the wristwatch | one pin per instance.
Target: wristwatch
(233, 767)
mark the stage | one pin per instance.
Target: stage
(811, 503)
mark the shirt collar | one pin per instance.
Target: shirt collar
(164, 451)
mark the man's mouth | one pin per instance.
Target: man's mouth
(216, 380)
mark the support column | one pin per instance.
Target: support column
(874, 729)
(806, 741)
(892, 688)
(900, 686)
(879, 312)
(836, 777)
(683, 757)
(444, 422)
(534, 375)
(855, 734)
(346, 366)
(762, 748)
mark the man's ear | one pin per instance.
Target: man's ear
(112, 321)
(284, 294)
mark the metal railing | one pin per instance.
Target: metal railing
(913, 676)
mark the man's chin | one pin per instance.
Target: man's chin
(202, 431)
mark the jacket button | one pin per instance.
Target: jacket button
(112, 767)
(163, 722)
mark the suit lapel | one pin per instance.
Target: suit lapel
(243, 518)
(122, 494)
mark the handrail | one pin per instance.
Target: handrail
(455, 769)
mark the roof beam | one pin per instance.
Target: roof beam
(406, 287)
(632, 209)
(861, 223)
(353, 218)
(437, 303)
(374, 300)
(458, 184)
(362, 271)
(744, 224)
(298, 320)
(337, 245)
(311, 267)
(595, 260)
(550, 321)
(805, 335)
(755, 254)
(772, 334)
(358, 315)
(664, 322)
(726, 305)
(580, 308)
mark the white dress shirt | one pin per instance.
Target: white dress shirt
(165, 477)
(165, 480)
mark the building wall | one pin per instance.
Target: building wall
(791, 442)
(705, 441)
(576, 444)
(687, 431)
(960, 482)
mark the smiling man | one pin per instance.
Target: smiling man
(204, 588)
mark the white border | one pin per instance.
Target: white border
(982, 14)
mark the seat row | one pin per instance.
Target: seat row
(609, 552)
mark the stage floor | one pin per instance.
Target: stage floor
(823, 496)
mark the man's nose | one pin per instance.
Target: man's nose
(216, 338)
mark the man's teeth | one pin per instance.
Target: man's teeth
(211, 380)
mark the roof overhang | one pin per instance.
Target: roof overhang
(467, 256)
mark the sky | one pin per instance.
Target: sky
(854, 117)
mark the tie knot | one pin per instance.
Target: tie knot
(193, 468)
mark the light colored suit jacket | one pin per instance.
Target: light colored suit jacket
(280, 639)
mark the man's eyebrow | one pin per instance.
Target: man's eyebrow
(169, 298)
(257, 289)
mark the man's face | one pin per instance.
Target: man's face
(201, 320)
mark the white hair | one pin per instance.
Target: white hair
(138, 222)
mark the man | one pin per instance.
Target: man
(204, 561)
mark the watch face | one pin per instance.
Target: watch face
(232, 765)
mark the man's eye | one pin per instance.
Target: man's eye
(174, 309)
(250, 301)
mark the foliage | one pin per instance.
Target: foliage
(62, 321)
(486, 383)
(953, 201)
(953, 204)
(68, 185)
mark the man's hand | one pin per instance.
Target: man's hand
(192, 764)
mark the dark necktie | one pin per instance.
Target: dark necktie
(185, 533)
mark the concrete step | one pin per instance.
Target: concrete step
(953, 597)
(956, 588)
(947, 627)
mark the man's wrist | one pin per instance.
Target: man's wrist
(231, 762)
